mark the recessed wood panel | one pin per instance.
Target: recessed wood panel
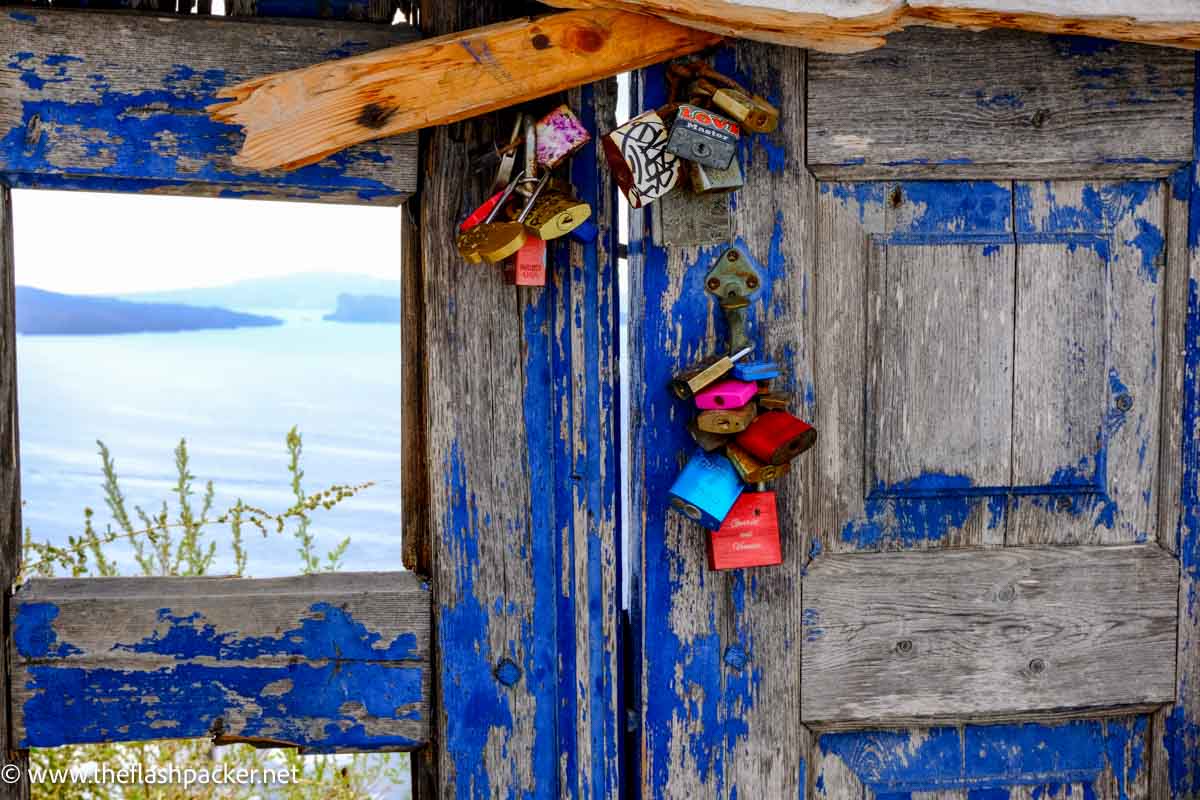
(935, 103)
(1004, 632)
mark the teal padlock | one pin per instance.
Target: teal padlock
(706, 489)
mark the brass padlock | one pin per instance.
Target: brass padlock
(708, 441)
(726, 420)
(773, 401)
(556, 214)
(751, 469)
(469, 241)
(495, 241)
(687, 383)
(755, 113)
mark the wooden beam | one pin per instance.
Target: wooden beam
(114, 102)
(332, 662)
(300, 117)
(901, 638)
(846, 26)
(999, 104)
(10, 491)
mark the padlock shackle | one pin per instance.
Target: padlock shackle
(534, 196)
(508, 190)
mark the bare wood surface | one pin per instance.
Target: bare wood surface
(10, 491)
(1000, 104)
(979, 633)
(333, 662)
(416, 540)
(114, 101)
(846, 26)
(299, 117)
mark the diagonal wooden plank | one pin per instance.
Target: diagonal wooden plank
(332, 662)
(894, 638)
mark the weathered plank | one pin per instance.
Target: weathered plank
(718, 687)
(296, 118)
(1000, 104)
(357, 10)
(967, 634)
(115, 102)
(10, 490)
(1089, 372)
(322, 662)
(849, 26)
(1047, 760)
(520, 397)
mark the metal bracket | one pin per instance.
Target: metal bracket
(733, 281)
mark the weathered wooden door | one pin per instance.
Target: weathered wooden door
(982, 293)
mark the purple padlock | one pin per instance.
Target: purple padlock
(726, 394)
(560, 134)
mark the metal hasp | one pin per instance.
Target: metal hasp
(733, 280)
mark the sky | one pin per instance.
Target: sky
(90, 243)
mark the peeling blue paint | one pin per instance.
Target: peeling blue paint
(34, 635)
(20, 16)
(957, 207)
(1080, 46)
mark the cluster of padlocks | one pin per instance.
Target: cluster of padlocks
(745, 435)
(525, 211)
(707, 111)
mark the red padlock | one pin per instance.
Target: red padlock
(480, 214)
(529, 264)
(749, 536)
(777, 437)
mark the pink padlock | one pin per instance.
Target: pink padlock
(726, 394)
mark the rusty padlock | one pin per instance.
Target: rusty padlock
(750, 469)
(641, 164)
(727, 420)
(749, 535)
(774, 401)
(753, 112)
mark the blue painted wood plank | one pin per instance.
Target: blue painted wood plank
(324, 663)
(122, 107)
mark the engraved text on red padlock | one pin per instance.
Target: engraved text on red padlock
(749, 536)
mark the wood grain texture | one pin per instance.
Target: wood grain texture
(295, 118)
(114, 102)
(10, 487)
(718, 687)
(322, 662)
(417, 537)
(999, 104)
(1089, 376)
(520, 397)
(987, 633)
(850, 26)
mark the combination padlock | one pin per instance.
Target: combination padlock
(749, 536)
(560, 135)
(495, 241)
(641, 164)
(706, 489)
(750, 469)
(704, 137)
(556, 214)
(471, 237)
(777, 437)
(727, 420)
(687, 383)
(753, 112)
(726, 394)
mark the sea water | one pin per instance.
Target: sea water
(233, 395)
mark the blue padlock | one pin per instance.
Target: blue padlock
(756, 371)
(706, 489)
(585, 232)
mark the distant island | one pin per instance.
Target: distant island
(311, 291)
(42, 312)
(366, 308)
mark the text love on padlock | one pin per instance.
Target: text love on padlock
(777, 437)
(641, 164)
(560, 135)
(470, 239)
(750, 469)
(753, 112)
(709, 441)
(706, 489)
(556, 214)
(702, 136)
(726, 394)
(695, 379)
(710, 180)
(774, 401)
(529, 264)
(749, 536)
(727, 420)
(495, 241)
